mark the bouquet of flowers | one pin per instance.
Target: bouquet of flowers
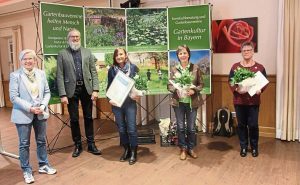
(243, 77)
(183, 82)
(140, 87)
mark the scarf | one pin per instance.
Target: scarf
(125, 69)
(32, 83)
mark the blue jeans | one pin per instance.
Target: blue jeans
(24, 132)
(186, 126)
(126, 121)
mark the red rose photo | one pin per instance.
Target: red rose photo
(229, 34)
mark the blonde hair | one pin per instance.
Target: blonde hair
(27, 51)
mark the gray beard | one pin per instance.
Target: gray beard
(74, 46)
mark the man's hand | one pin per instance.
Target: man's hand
(64, 100)
(94, 96)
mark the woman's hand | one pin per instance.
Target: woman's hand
(112, 103)
(241, 90)
(136, 98)
(36, 110)
(190, 92)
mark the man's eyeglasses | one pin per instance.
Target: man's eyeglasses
(74, 36)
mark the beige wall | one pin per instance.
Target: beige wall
(266, 11)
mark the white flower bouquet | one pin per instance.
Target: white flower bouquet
(183, 82)
(140, 87)
(244, 78)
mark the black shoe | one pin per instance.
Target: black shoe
(77, 150)
(254, 152)
(243, 152)
(126, 154)
(93, 149)
(133, 156)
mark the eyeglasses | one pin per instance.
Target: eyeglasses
(74, 36)
(247, 50)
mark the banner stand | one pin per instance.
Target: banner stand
(3, 152)
(153, 109)
(56, 137)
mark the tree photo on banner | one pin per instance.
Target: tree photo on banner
(153, 67)
(202, 58)
(229, 34)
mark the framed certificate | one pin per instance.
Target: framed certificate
(120, 88)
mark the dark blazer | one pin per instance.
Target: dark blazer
(65, 74)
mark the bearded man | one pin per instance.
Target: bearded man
(77, 79)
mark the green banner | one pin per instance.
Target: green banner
(56, 22)
(189, 25)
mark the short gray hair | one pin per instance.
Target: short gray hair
(72, 30)
(27, 51)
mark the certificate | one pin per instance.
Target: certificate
(120, 88)
(260, 82)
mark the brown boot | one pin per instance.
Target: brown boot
(192, 154)
(183, 154)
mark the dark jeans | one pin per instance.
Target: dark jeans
(86, 103)
(126, 121)
(247, 117)
(186, 126)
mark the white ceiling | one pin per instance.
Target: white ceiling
(8, 7)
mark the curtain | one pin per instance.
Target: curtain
(2, 101)
(17, 44)
(288, 66)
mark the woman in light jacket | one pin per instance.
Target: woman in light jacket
(29, 92)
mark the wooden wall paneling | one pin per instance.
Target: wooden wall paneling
(222, 97)
(6, 94)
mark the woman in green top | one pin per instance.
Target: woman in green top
(185, 107)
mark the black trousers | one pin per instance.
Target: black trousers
(86, 104)
(247, 117)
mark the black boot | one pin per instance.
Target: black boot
(133, 156)
(77, 150)
(93, 149)
(126, 154)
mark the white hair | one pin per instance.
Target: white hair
(27, 51)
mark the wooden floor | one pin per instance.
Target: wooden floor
(218, 163)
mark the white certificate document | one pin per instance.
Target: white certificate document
(120, 88)
(260, 82)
